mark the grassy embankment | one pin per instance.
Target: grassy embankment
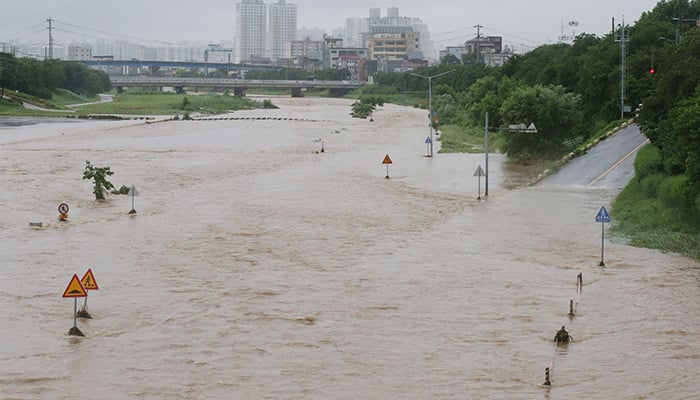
(11, 105)
(169, 104)
(134, 103)
(650, 213)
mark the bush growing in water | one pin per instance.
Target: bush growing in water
(122, 190)
(99, 176)
(366, 105)
(268, 104)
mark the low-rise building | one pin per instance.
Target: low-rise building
(79, 51)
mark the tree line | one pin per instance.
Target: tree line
(42, 78)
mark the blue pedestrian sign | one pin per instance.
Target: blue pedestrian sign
(428, 140)
(602, 216)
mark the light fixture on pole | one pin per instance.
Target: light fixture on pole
(430, 103)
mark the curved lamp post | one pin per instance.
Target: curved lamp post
(430, 102)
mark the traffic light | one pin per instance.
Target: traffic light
(652, 70)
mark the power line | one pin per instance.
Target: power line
(30, 31)
(449, 32)
(141, 39)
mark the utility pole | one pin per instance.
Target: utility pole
(50, 21)
(478, 30)
(623, 38)
(478, 40)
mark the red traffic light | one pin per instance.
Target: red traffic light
(652, 70)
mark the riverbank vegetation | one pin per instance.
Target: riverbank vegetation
(41, 79)
(145, 103)
(654, 211)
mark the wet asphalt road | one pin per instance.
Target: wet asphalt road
(609, 165)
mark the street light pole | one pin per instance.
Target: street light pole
(486, 154)
(430, 102)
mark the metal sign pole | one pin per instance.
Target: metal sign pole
(75, 312)
(479, 197)
(602, 244)
(602, 217)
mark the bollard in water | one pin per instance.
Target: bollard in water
(547, 382)
(74, 331)
(562, 336)
(571, 308)
(83, 313)
(579, 279)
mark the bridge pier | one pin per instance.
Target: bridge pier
(338, 92)
(239, 91)
(179, 89)
(297, 92)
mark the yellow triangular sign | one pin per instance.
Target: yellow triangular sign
(75, 288)
(387, 160)
(88, 281)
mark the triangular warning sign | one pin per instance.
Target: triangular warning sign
(75, 288)
(387, 160)
(88, 281)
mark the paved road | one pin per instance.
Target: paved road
(104, 98)
(609, 165)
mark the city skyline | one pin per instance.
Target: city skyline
(450, 22)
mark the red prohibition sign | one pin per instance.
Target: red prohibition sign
(63, 208)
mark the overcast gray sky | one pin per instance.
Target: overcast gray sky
(526, 22)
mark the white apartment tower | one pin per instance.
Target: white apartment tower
(251, 30)
(283, 27)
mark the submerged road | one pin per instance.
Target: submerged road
(610, 164)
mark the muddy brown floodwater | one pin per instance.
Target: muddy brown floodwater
(257, 267)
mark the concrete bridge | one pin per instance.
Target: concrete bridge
(239, 86)
(153, 66)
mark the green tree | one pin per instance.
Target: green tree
(98, 175)
(450, 59)
(555, 113)
(487, 95)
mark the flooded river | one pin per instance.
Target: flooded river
(259, 267)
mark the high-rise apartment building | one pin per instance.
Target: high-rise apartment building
(251, 30)
(283, 27)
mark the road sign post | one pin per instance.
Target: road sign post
(75, 289)
(479, 172)
(89, 283)
(428, 142)
(387, 161)
(133, 193)
(602, 217)
(63, 211)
